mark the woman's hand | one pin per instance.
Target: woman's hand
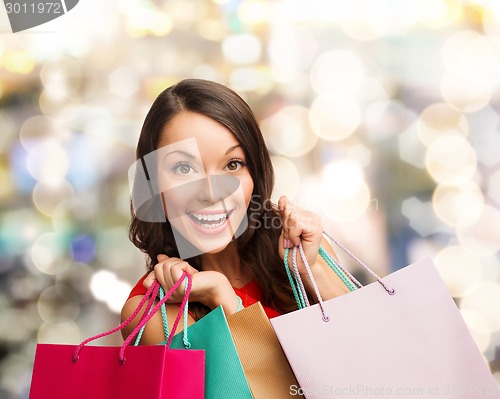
(211, 288)
(299, 226)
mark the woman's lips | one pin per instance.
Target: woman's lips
(211, 223)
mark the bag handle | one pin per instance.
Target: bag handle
(390, 291)
(185, 339)
(150, 294)
(326, 318)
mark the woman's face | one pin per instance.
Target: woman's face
(204, 182)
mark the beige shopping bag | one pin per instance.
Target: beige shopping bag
(266, 367)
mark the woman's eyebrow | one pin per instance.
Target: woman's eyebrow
(187, 154)
(230, 149)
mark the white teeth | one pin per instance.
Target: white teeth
(201, 217)
(216, 219)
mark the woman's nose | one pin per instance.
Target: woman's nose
(216, 188)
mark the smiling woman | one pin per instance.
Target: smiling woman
(201, 189)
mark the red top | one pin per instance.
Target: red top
(249, 294)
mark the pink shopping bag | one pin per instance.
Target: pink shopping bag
(126, 372)
(402, 336)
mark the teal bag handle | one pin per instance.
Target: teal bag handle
(297, 288)
(187, 344)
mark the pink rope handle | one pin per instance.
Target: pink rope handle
(390, 291)
(325, 316)
(150, 294)
(156, 308)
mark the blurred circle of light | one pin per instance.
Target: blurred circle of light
(385, 119)
(338, 116)
(241, 49)
(483, 235)
(348, 196)
(61, 77)
(491, 19)
(123, 82)
(257, 80)
(438, 14)
(18, 229)
(47, 253)
(60, 110)
(291, 49)
(438, 119)
(451, 160)
(466, 93)
(22, 177)
(52, 306)
(6, 183)
(15, 375)
(337, 71)
(368, 19)
(48, 162)
(19, 62)
(211, 29)
(66, 331)
(458, 205)
(83, 248)
(77, 277)
(494, 187)
(287, 178)
(484, 298)
(288, 132)
(145, 21)
(161, 24)
(478, 327)
(36, 129)
(72, 217)
(460, 269)
(254, 12)
(47, 196)
(468, 53)
(107, 288)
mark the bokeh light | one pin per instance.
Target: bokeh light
(479, 328)
(483, 235)
(485, 300)
(438, 120)
(338, 116)
(48, 253)
(460, 269)
(287, 178)
(107, 288)
(337, 71)
(458, 205)
(290, 131)
(242, 49)
(451, 159)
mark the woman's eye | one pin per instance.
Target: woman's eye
(183, 169)
(235, 165)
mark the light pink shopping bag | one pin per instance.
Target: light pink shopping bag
(375, 342)
(127, 372)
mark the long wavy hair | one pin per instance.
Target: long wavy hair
(258, 246)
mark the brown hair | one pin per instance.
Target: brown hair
(258, 246)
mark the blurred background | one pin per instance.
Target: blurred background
(381, 115)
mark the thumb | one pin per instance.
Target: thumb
(162, 257)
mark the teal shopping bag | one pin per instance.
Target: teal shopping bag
(224, 375)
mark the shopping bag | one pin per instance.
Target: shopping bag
(126, 372)
(266, 367)
(401, 336)
(224, 375)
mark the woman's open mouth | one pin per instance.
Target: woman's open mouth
(210, 223)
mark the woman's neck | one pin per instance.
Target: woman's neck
(228, 263)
